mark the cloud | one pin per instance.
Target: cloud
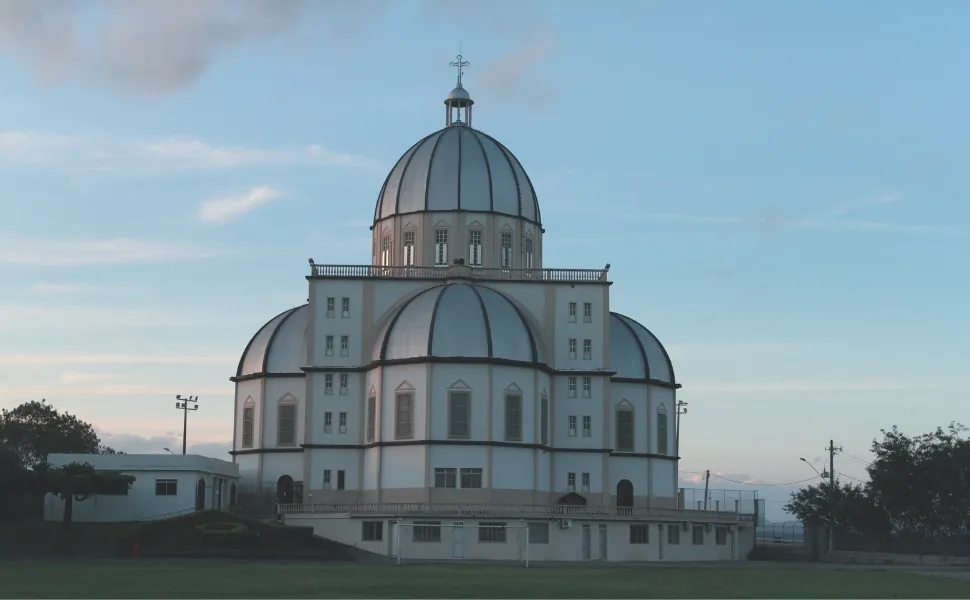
(17, 360)
(81, 377)
(173, 154)
(46, 252)
(227, 208)
(512, 75)
(815, 386)
(156, 444)
(881, 200)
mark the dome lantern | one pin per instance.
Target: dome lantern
(458, 104)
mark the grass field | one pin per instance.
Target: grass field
(185, 579)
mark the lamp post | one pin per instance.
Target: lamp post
(185, 405)
(681, 410)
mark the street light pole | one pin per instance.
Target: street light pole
(185, 405)
(681, 410)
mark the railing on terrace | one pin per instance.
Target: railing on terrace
(458, 271)
(491, 510)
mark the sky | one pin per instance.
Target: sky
(777, 186)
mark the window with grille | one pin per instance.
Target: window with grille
(513, 418)
(166, 487)
(440, 247)
(342, 423)
(329, 346)
(587, 349)
(587, 312)
(538, 533)
(345, 308)
(343, 384)
(372, 531)
(344, 345)
(326, 479)
(327, 422)
(624, 430)
(529, 253)
(328, 384)
(459, 415)
(585, 481)
(639, 534)
(404, 420)
(571, 386)
(572, 347)
(572, 312)
(492, 533)
(571, 482)
(427, 531)
(587, 387)
(330, 307)
(506, 250)
(572, 425)
(247, 426)
(445, 477)
(587, 426)
(286, 425)
(475, 247)
(470, 478)
(409, 248)
(386, 251)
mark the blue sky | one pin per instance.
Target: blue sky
(777, 186)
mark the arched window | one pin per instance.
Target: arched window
(624, 493)
(284, 489)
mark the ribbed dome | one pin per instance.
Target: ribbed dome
(458, 168)
(636, 353)
(279, 346)
(458, 320)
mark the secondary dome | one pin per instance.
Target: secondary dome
(458, 320)
(636, 353)
(280, 346)
(458, 168)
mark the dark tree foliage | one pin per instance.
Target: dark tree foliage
(76, 482)
(916, 484)
(35, 429)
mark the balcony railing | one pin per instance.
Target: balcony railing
(512, 510)
(459, 271)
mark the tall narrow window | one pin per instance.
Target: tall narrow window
(328, 422)
(506, 250)
(329, 346)
(572, 425)
(386, 251)
(409, 248)
(475, 247)
(328, 384)
(344, 345)
(585, 481)
(587, 426)
(342, 423)
(587, 387)
(528, 251)
(571, 387)
(343, 383)
(371, 418)
(404, 419)
(624, 430)
(326, 479)
(341, 479)
(570, 482)
(662, 443)
(247, 426)
(286, 425)
(572, 312)
(572, 347)
(330, 307)
(440, 247)
(587, 312)
(345, 308)
(459, 415)
(513, 417)
(544, 425)
(587, 349)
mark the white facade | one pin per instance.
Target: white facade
(165, 485)
(455, 368)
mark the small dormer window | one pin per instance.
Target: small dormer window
(386, 251)
(409, 248)
(441, 247)
(475, 247)
(506, 250)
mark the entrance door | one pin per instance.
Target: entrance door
(587, 542)
(458, 540)
(392, 533)
(603, 542)
(733, 543)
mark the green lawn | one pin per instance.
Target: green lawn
(184, 579)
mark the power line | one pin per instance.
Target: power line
(752, 483)
(850, 477)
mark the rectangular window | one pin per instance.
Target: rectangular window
(445, 478)
(345, 308)
(572, 312)
(544, 424)
(329, 346)
(343, 383)
(441, 247)
(328, 384)
(538, 533)
(459, 415)
(386, 251)
(529, 253)
(409, 248)
(513, 418)
(673, 534)
(471, 478)
(404, 419)
(166, 487)
(624, 430)
(587, 312)
(720, 536)
(326, 479)
(286, 426)
(585, 481)
(572, 347)
(247, 427)
(371, 418)
(587, 349)
(570, 482)
(341, 479)
(572, 425)
(571, 385)
(475, 247)
(342, 423)
(662, 443)
(492, 532)
(506, 250)
(344, 345)
(330, 307)
(372, 531)
(427, 531)
(697, 535)
(587, 387)
(639, 534)
(327, 422)
(587, 426)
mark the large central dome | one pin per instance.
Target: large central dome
(458, 168)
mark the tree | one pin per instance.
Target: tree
(854, 509)
(76, 482)
(35, 429)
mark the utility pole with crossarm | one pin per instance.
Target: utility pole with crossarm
(185, 405)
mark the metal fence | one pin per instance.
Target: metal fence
(744, 502)
(903, 542)
(780, 534)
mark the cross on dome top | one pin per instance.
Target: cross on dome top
(459, 63)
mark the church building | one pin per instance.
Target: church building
(457, 398)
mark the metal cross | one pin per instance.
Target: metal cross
(459, 64)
